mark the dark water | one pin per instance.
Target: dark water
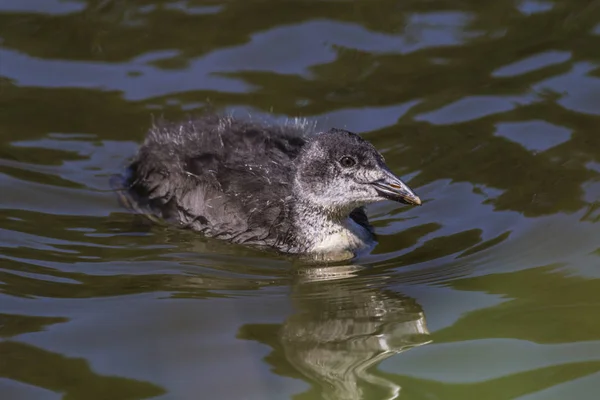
(491, 290)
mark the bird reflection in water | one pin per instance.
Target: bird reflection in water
(344, 326)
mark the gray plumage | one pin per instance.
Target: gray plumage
(277, 186)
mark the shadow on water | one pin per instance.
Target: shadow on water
(341, 329)
(489, 109)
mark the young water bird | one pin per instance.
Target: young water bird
(276, 186)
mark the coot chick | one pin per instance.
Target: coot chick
(276, 186)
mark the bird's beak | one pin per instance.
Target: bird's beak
(392, 188)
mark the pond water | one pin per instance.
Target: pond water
(490, 290)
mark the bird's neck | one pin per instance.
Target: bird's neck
(329, 232)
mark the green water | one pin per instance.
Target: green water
(489, 291)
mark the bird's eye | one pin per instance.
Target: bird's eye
(347, 162)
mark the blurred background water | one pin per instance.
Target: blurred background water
(490, 109)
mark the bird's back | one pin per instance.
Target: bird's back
(227, 178)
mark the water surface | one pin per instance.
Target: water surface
(489, 291)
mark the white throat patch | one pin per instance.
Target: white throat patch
(348, 236)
